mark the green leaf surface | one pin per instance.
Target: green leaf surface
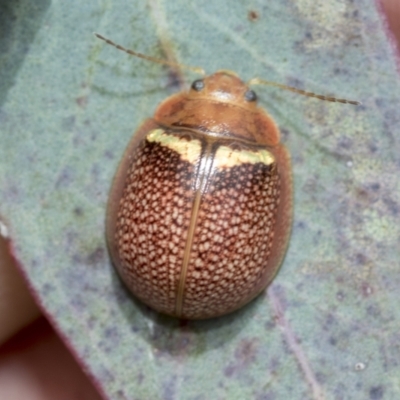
(329, 325)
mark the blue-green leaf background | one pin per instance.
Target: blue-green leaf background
(329, 325)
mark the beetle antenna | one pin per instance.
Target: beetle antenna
(257, 81)
(198, 70)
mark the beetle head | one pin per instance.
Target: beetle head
(226, 87)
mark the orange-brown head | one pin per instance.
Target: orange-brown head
(221, 105)
(226, 87)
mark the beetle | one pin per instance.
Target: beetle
(200, 209)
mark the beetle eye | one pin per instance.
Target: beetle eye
(198, 85)
(250, 95)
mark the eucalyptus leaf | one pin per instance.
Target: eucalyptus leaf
(329, 325)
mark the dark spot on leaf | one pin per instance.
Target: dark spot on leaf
(82, 101)
(366, 289)
(229, 370)
(340, 280)
(375, 186)
(284, 134)
(376, 393)
(332, 341)
(92, 321)
(64, 178)
(300, 225)
(139, 377)
(345, 143)
(265, 396)
(78, 211)
(329, 321)
(372, 147)
(95, 171)
(135, 329)
(111, 333)
(361, 259)
(246, 351)
(169, 388)
(275, 364)
(253, 15)
(78, 303)
(121, 395)
(96, 256)
(379, 102)
(245, 354)
(392, 206)
(339, 295)
(68, 123)
(364, 196)
(373, 311)
(361, 194)
(47, 288)
(34, 262)
(174, 80)
(270, 325)
(109, 154)
(321, 378)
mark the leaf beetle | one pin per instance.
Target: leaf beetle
(200, 209)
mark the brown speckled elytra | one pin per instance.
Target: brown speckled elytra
(200, 209)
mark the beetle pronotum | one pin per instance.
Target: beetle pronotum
(200, 209)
